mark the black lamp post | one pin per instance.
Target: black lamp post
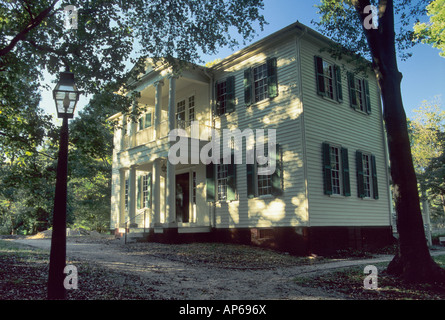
(66, 96)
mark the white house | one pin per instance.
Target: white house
(330, 186)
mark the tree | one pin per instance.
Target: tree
(426, 129)
(375, 37)
(433, 32)
(109, 35)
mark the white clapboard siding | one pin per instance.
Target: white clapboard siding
(338, 123)
(282, 114)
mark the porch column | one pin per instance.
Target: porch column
(156, 191)
(123, 131)
(170, 179)
(158, 107)
(132, 196)
(121, 218)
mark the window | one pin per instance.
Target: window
(185, 112)
(264, 181)
(126, 194)
(180, 115)
(221, 97)
(260, 185)
(222, 178)
(367, 184)
(191, 109)
(359, 93)
(260, 82)
(145, 121)
(146, 190)
(222, 172)
(335, 170)
(328, 79)
(225, 96)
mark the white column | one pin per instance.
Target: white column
(132, 195)
(156, 194)
(170, 183)
(158, 108)
(121, 219)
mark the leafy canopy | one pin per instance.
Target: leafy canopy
(433, 32)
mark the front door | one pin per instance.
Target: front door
(182, 198)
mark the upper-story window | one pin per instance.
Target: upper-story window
(146, 120)
(185, 112)
(225, 96)
(261, 82)
(328, 78)
(359, 93)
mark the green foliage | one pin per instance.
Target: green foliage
(433, 31)
(110, 36)
(340, 21)
(427, 135)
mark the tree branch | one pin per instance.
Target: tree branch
(22, 34)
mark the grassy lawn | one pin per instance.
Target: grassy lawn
(349, 281)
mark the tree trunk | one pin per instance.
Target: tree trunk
(413, 261)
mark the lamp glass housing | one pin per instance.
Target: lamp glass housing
(66, 95)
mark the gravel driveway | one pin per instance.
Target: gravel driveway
(174, 279)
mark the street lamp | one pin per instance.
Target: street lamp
(66, 96)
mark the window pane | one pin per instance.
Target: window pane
(260, 82)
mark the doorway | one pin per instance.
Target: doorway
(182, 198)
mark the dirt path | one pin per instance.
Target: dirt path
(174, 279)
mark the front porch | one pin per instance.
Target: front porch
(152, 201)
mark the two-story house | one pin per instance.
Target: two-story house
(330, 186)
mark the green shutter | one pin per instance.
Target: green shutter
(352, 92)
(319, 75)
(230, 94)
(139, 195)
(217, 107)
(210, 182)
(338, 83)
(360, 176)
(375, 187)
(248, 87)
(272, 78)
(250, 180)
(367, 96)
(276, 178)
(327, 169)
(231, 179)
(345, 170)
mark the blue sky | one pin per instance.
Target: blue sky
(423, 73)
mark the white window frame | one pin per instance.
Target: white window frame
(329, 80)
(336, 170)
(367, 176)
(260, 85)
